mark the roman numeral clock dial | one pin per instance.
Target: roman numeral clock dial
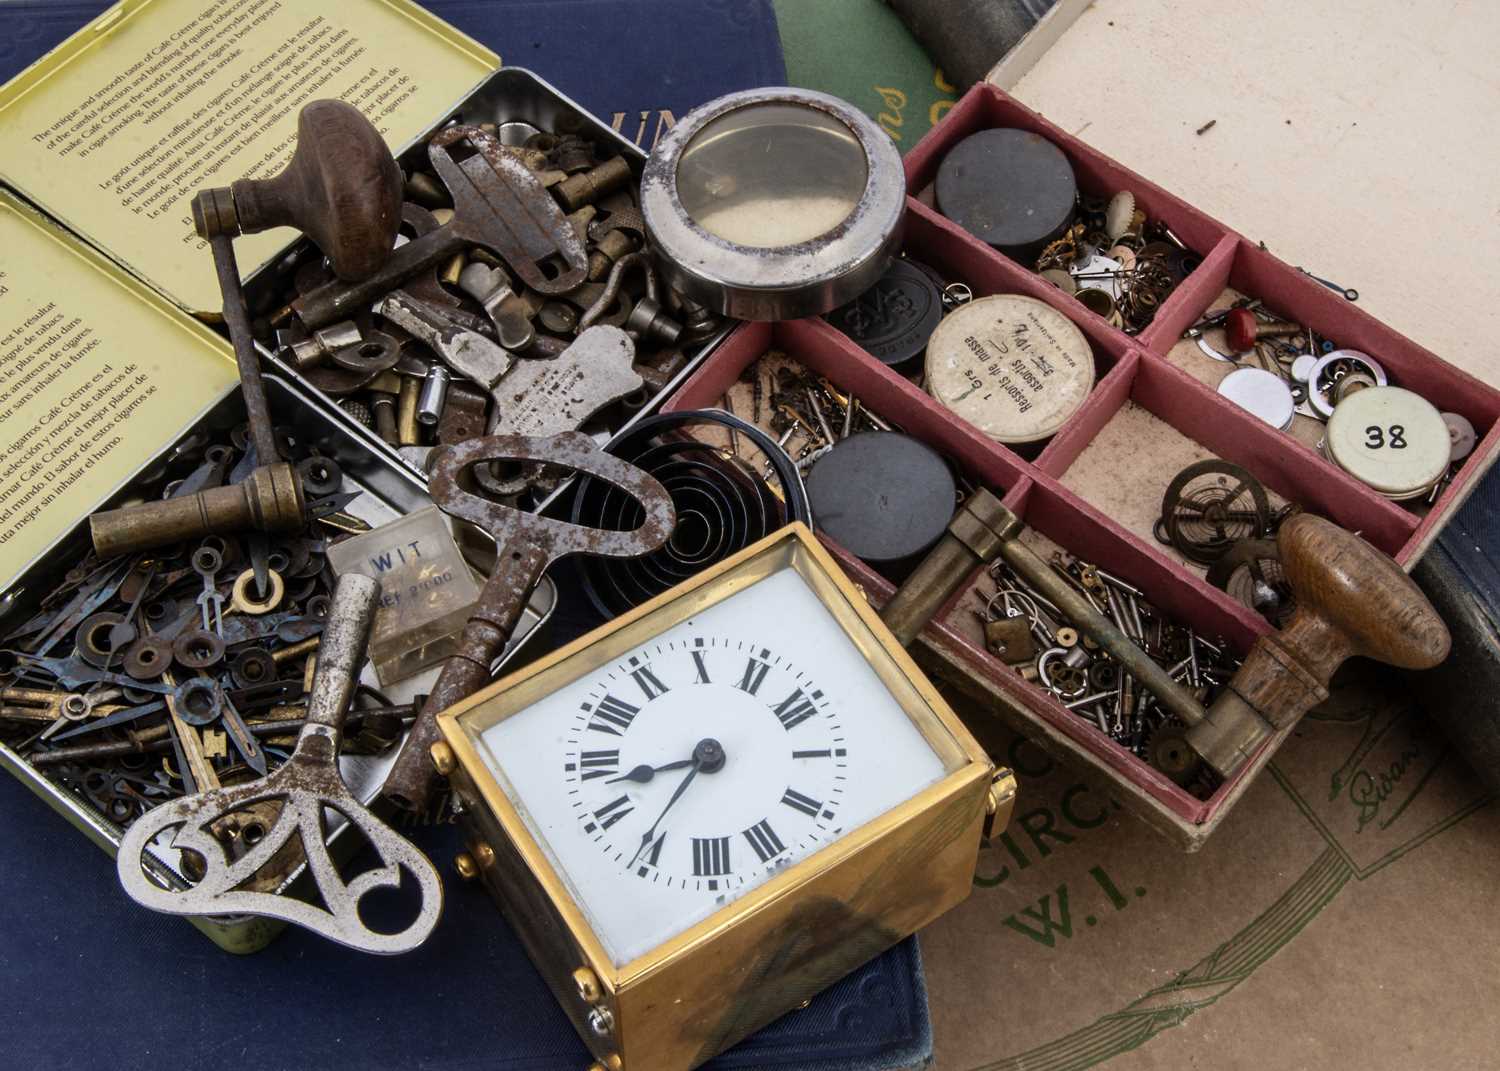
(686, 770)
(702, 764)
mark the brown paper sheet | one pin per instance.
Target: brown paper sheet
(1339, 917)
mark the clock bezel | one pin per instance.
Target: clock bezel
(795, 547)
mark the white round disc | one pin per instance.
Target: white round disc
(1260, 392)
(1391, 439)
(1012, 366)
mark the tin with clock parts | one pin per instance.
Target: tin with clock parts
(718, 804)
(1012, 366)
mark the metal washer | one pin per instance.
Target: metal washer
(1261, 393)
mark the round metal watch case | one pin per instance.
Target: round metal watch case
(776, 282)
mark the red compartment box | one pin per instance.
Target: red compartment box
(1166, 406)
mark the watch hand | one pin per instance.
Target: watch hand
(643, 774)
(650, 834)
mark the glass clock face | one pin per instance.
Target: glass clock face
(674, 780)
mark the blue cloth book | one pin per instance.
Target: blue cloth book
(89, 979)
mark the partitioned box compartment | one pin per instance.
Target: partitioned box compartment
(985, 107)
(1095, 488)
(954, 649)
(1251, 272)
(1160, 414)
(827, 352)
(512, 95)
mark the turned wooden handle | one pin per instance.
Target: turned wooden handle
(1354, 600)
(1351, 600)
(342, 189)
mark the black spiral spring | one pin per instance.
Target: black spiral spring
(722, 507)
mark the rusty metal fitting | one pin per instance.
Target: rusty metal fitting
(588, 186)
(314, 350)
(648, 320)
(611, 246)
(383, 412)
(595, 313)
(214, 213)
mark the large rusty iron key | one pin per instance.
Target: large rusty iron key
(306, 786)
(497, 204)
(526, 545)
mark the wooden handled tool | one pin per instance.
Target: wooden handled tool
(342, 189)
(1352, 600)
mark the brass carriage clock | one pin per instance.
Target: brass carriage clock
(708, 810)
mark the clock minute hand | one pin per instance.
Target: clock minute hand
(643, 774)
(647, 836)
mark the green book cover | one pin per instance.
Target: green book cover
(860, 51)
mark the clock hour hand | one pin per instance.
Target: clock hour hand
(643, 774)
(650, 834)
(708, 757)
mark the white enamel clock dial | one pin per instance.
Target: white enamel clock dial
(675, 779)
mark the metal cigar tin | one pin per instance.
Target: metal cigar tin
(1012, 189)
(774, 204)
(517, 99)
(893, 320)
(389, 492)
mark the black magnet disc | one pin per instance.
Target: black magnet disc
(1010, 188)
(882, 495)
(893, 319)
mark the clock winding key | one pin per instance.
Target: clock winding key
(526, 545)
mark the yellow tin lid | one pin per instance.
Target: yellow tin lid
(98, 374)
(1392, 439)
(115, 130)
(1012, 366)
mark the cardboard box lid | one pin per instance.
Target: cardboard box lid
(116, 129)
(98, 374)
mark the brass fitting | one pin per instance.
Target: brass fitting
(269, 500)
(588, 186)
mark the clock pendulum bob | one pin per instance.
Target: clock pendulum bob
(1351, 600)
(303, 788)
(526, 545)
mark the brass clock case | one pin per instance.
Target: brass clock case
(776, 946)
